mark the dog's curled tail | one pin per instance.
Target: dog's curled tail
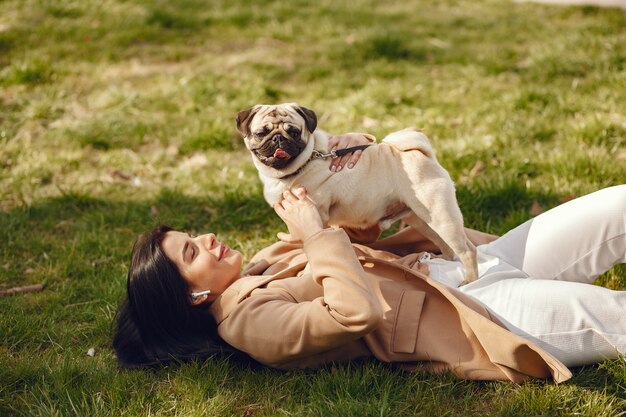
(410, 139)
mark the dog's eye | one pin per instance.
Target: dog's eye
(260, 134)
(294, 133)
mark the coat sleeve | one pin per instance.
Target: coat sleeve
(272, 327)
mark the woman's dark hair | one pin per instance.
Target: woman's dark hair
(157, 322)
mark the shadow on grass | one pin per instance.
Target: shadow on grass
(497, 208)
(79, 242)
(92, 231)
(79, 245)
(76, 233)
(234, 211)
(75, 229)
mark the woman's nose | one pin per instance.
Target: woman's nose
(208, 240)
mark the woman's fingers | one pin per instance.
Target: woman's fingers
(288, 196)
(353, 159)
(299, 213)
(334, 162)
(349, 160)
(342, 142)
(294, 194)
(278, 207)
(345, 161)
(300, 192)
(340, 162)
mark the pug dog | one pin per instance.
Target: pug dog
(399, 178)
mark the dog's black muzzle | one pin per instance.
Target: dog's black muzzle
(266, 153)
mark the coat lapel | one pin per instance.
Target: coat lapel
(237, 292)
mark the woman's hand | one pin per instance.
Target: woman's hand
(346, 141)
(299, 214)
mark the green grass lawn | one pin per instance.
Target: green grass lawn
(119, 114)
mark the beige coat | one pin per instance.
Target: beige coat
(329, 300)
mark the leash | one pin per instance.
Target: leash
(338, 152)
(332, 154)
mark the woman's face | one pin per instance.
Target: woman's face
(205, 263)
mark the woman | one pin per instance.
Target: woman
(315, 297)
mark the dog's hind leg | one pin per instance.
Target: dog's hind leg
(421, 226)
(445, 229)
(469, 261)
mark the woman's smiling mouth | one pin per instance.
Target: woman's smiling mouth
(223, 250)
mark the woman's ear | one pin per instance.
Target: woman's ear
(199, 300)
(199, 297)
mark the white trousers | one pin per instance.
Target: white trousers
(538, 278)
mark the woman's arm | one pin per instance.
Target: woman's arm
(274, 328)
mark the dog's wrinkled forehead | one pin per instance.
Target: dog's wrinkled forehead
(282, 116)
(276, 117)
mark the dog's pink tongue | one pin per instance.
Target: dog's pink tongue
(280, 154)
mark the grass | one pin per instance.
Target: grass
(116, 115)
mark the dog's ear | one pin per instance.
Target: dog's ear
(309, 116)
(243, 120)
